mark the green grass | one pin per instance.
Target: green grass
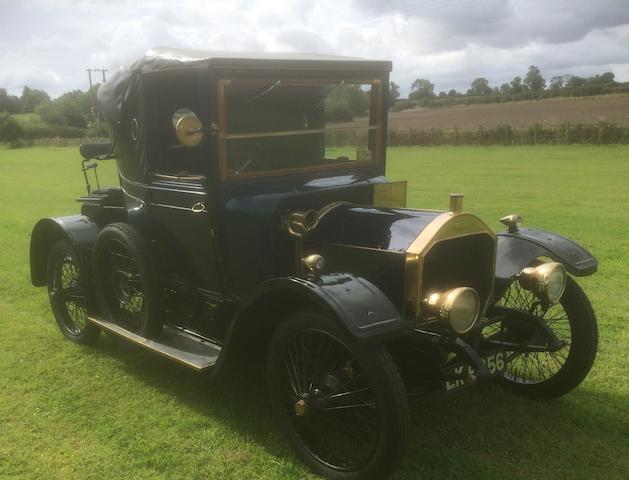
(111, 412)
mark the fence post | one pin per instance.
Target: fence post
(535, 134)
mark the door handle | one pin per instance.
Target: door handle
(198, 208)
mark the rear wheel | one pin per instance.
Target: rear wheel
(555, 372)
(341, 404)
(67, 292)
(127, 282)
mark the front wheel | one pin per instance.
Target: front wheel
(552, 373)
(341, 404)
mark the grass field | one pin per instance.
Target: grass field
(110, 412)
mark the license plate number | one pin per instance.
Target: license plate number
(496, 363)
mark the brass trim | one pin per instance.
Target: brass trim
(299, 224)
(286, 133)
(391, 194)
(446, 226)
(198, 207)
(189, 130)
(536, 280)
(442, 304)
(456, 202)
(146, 343)
(428, 234)
(443, 227)
(413, 266)
(511, 222)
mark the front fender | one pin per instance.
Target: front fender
(80, 231)
(518, 249)
(356, 303)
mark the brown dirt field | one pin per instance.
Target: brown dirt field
(610, 108)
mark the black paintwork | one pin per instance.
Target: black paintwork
(371, 227)
(79, 230)
(365, 311)
(516, 250)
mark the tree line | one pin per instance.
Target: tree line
(69, 116)
(532, 86)
(71, 109)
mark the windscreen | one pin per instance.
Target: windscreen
(272, 126)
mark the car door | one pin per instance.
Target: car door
(182, 221)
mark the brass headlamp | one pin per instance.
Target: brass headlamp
(459, 307)
(547, 281)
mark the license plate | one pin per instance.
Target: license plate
(496, 363)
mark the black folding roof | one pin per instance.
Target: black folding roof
(172, 58)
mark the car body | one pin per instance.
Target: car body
(245, 215)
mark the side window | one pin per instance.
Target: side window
(172, 95)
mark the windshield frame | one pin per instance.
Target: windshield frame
(377, 113)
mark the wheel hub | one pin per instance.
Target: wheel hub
(301, 408)
(122, 288)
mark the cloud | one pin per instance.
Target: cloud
(49, 43)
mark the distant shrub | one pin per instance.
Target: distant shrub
(402, 105)
(601, 133)
(51, 131)
(10, 130)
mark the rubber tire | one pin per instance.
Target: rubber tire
(138, 248)
(584, 344)
(387, 382)
(91, 331)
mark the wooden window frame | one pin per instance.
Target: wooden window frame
(375, 112)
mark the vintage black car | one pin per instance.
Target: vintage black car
(253, 222)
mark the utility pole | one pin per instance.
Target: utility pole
(89, 74)
(93, 111)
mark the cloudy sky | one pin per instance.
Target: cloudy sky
(49, 43)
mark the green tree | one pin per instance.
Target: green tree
(452, 93)
(75, 107)
(394, 93)
(31, 98)
(480, 86)
(607, 78)
(422, 88)
(573, 82)
(534, 80)
(516, 85)
(9, 103)
(346, 101)
(10, 130)
(50, 113)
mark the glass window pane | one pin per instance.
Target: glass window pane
(285, 124)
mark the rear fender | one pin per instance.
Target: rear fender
(519, 249)
(79, 230)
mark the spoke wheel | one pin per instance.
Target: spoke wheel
(343, 406)
(127, 284)
(554, 372)
(68, 295)
(123, 286)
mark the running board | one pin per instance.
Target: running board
(175, 344)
